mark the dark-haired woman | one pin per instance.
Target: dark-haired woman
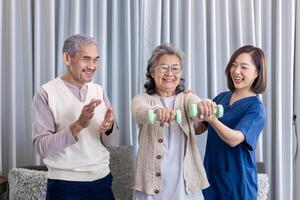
(230, 161)
(168, 163)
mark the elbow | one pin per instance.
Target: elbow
(235, 143)
(236, 140)
(38, 149)
(112, 139)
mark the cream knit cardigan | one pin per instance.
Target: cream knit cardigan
(150, 152)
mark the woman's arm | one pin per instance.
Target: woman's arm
(140, 107)
(230, 136)
(199, 125)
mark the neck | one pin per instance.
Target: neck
(165, 94)
(243, 93)
(70, 80)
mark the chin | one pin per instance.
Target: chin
(88, 80)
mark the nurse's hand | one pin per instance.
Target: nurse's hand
(205, 110)
(186, 91)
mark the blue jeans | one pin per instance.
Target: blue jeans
(77, 190)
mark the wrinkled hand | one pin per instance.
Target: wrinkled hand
(85, 117)
(108, 121)
(87, 113)
(165, 115)
(206, 109)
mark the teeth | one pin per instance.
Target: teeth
(237, 78)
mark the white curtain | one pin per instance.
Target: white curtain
(296, 138)
(208, 32)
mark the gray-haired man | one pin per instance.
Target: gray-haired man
(73, 121)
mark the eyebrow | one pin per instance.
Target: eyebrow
(169, 64)
(234, 63)
(245, 64)
(89, 57)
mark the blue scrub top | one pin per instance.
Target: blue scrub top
(231, 171)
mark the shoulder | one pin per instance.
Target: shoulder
(223, 94)
(254, 108)
(144, 96)
(95, 85)
(256, 105)
(190, 96)
(40, 97)
(52, 83)
(41, 92)
(96, 89)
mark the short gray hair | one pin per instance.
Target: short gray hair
(73, 43)
(159, 51)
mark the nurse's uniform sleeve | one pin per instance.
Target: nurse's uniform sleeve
(251, 125)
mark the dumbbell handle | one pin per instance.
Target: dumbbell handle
(152, 117)
(218, 111)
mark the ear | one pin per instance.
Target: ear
(256, 73)
(66, 58)
(152, 74)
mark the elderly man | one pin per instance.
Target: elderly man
(73, 121)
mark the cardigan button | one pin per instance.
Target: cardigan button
(158, 156)
(157, 174)
(160, 140)
(156, 191)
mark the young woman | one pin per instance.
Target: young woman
(229, 160)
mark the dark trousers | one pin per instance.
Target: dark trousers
(76, 190)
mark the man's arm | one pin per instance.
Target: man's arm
(45, 140)
(111, 136)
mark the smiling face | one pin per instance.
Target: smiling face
(166, 81)
(243, 72)
(82, 66)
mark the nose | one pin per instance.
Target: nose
(236, 69)
(92, 65)
(169, 72)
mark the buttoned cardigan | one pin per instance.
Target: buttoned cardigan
(150, 142)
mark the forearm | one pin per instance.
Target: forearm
(140, 107)
(228, 135)
(47, 144)
(111, 139)
(75, 128)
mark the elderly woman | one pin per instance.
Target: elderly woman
(168, 164)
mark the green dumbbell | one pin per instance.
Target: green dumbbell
(218, 111)
(152, 117)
